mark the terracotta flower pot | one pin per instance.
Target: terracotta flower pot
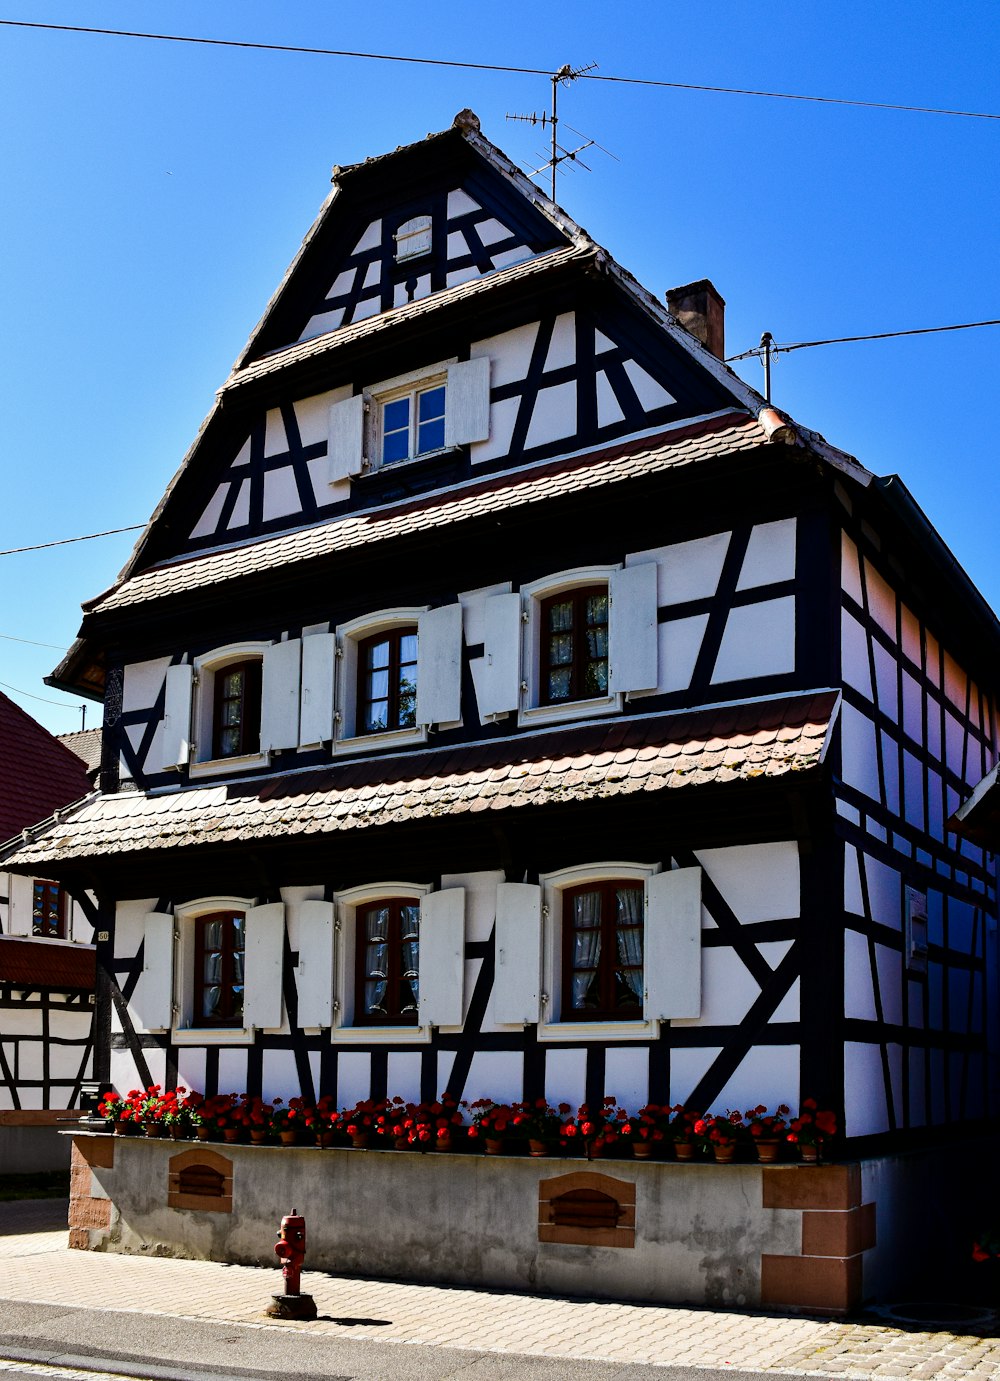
(724, 1151)
(684, 1150)
(642, 1150)
(175, 1132)
(359, 1140)
(443, 1142)
(809, 1154)
(537, 1148)
(595, 1150)
(258, 1135)
(203, 1133)
(324, 1138)
(230, 1134)
(402, 1143)
(288, 1135)
(154, 1129)
(768, 1150)
(493, 1145)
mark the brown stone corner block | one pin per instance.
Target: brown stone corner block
(826, 1285)
(79, 1239)
(838, 1233)
(94, 1150)
(89, 1213)
(811, 1186)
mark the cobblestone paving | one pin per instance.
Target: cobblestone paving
(36, 1265)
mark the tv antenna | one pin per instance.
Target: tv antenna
(550, 120)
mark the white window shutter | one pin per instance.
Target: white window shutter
(314, 974)
(439, 665)
(517, 985)
(467, 402)
(632, 628)
(176, 739)
(319, 658)
(263, 961)
(500, 677)
(442, 957)
(672, 949)
(345, 446)
(153, 1000)
(279, 703)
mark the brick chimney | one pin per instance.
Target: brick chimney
(700, 310)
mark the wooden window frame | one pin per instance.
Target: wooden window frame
(394, 946)
(578, 595)
(394, 636)
(250, 706)
(50, 932)
(198, 1019)
(608, 959)
(412, 395)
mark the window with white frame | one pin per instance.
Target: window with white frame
(399, 672)
(212, 971)
(409, 418)
(601, 951)
(570, 645)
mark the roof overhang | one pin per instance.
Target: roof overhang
(978, 819)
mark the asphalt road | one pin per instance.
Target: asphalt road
(147, 1347)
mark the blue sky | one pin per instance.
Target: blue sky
(153, 194)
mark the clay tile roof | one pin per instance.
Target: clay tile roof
(718, 436)
(527, 770)
(42, 964)
(86, 744)
(38, 774)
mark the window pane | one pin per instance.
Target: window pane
(561, 649)
(408, 648)
(561, 615)
(232, 684)
(559, 684)
(597, 609)
(396, 415)
(407, 703)
(595, 679)
(210, 1002)
(378, 655)
(237, 1012)
(378, 685)
(395, 446)
(430, 404)
(232, 713)
(430, 436)
(376, 716)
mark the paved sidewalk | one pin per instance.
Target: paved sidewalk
(37, 1267)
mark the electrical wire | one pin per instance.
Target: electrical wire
(495, 67)
(9, 637)
(64, 705)
(65, 541)
(845, 340)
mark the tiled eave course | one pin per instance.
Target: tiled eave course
(390, 323)
(712, 747)
(732, 434)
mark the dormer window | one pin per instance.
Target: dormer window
(413, 238)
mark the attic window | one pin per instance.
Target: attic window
(413, 238)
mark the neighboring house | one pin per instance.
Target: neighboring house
(503, 698)
(46, 956)
(86, 745)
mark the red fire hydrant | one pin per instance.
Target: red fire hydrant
(290, 1249)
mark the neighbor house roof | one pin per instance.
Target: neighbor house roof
(42, 964)
(86, 744)
(645, 754)
(38, 774)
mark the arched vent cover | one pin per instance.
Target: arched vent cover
(587, 1209)
(200, 1179)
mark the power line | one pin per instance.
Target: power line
(845, 340)
(494, 67)
(65, 541)
(9, 637)
(63, 705)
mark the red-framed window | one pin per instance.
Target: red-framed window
(574, 645)
(387, 962)
(387, 681)
(48, 910)
(220, 943)
(602, 938)
(236, 718)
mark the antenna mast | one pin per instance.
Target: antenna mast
(550, 119)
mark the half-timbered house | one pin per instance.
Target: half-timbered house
(504, 699)
(46, 956)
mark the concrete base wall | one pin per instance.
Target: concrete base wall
(814, 1239)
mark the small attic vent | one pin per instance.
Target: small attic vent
(413, 238)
